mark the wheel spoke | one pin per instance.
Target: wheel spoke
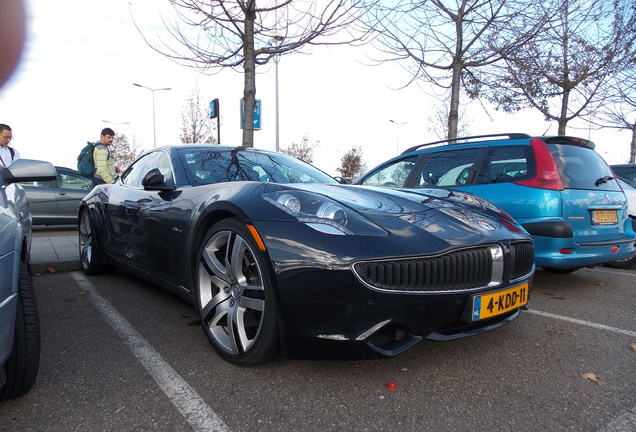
(221, 329)
(244, 339)
(212, 305)
(219, 269)
(252, 303)
(235, 329)
(236, 255)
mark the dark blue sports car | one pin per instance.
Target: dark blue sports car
(279, 258)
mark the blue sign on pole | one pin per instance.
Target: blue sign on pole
(257, 114)
(214, 108)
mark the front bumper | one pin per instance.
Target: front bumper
(334, 312)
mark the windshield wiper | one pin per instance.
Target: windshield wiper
(603, 180)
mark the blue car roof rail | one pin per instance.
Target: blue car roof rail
(454, 140)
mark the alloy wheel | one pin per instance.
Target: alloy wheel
(231, 292)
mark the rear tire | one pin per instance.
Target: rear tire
(21, 368)
(88, 247)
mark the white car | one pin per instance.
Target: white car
(630, 192)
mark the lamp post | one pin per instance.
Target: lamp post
(276, 60)
(115, 125)
(397, 145)
(154, 130)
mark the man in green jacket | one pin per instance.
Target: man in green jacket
(105, 170)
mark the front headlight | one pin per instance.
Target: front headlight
(322, 213)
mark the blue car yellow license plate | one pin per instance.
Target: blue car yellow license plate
(600, 217)
(499, 302)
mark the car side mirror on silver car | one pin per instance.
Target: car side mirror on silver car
(26, 170)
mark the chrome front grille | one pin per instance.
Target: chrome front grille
(455, 271)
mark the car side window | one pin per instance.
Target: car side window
(447, 168)
(42, 184)
(134, 174)
(393, 175)
(506, 164)
(163, 164)
(72, 181)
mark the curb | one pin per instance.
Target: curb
(41, 268)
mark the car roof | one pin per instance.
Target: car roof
(213, 147)
(502, 138)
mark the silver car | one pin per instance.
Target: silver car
(56, 202)
(19, 320)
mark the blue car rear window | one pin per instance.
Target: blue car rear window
(583, 168)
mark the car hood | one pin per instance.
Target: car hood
(448, 214)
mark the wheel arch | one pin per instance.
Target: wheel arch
(206, 222)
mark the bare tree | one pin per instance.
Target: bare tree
(438, 123)
(208, 34)
(124, 153)
(618, 110)
(351, 165)
(195, 122)
(442, 42)
(561, 72)
(304, 150)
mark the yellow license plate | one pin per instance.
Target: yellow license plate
(497, 303)
(604, 217)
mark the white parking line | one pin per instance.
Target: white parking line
(585, 323)
(624, 423)
(614, 272)
(627, 421)
(183, 397)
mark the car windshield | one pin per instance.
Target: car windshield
(207, 166)
(583, 168)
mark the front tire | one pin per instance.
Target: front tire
(21, 368)
(234, 295)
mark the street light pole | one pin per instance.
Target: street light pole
(154, 130)
(397, 145)
(276, 60)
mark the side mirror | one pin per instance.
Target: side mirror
(154, 180)
(27, 170)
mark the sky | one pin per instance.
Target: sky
(82, 57)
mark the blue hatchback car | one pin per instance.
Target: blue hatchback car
(558, 188)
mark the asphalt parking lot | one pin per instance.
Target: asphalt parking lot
(121, 354)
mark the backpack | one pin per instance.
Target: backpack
(12, 157)
(85, 162)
